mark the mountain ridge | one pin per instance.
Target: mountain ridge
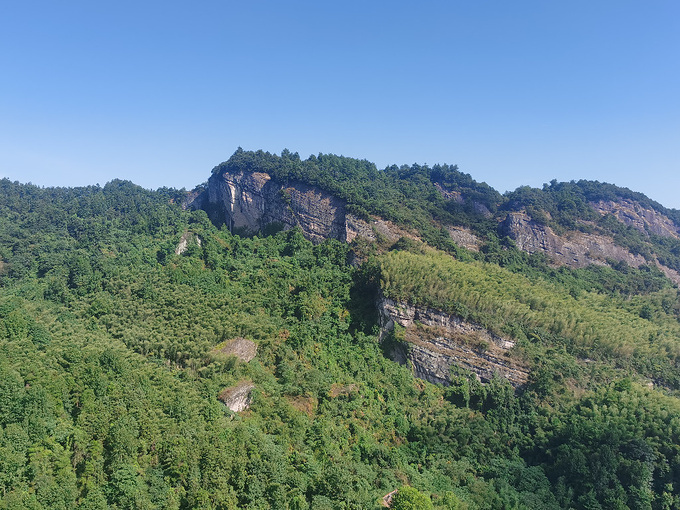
(537, 220)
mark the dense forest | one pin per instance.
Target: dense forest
(113, 367)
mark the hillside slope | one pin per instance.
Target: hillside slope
(153, 358)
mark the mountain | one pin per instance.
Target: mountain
(573, 224)
(319, 333)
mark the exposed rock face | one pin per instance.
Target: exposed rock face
(376, 229)
(240, 198)
(195, 199)
(434, 341)
(464, 237)
(671, 274)
(237, 398)
(244, 350)
(578, 249)
(186, 239)
(387, 498)
(459, 198)
(253, 200)
(635, 215)
(319, 214)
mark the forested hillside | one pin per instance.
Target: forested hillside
(117, 308)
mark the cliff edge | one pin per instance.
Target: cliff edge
(253, 201)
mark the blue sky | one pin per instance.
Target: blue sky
(513, 92)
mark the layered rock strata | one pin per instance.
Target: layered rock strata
(633, 214)
(434, 341)
(251, 201)
(578, 249)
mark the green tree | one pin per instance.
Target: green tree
(410, 498)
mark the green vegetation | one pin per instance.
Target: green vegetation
(409, 498)
(566, 206)
(109, 377)
(406, 195)
(590, 324)
(427, 200)
(111, 368)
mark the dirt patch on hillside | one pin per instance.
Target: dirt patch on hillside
(244, 350)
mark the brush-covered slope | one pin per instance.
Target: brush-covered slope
(120, 312)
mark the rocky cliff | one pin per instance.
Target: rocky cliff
(642, 218)
(575, 249)
(433, 341)
(252, 201)
(579, 249)
(187, 239)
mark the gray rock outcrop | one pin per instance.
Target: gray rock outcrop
(244, 350)
(579, 249)
(184, 242)
(434, 341)
(464, 237)
(237, 398)
(576, 249)
(632, 213)
(251, 201)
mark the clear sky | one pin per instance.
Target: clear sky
(513, 92)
